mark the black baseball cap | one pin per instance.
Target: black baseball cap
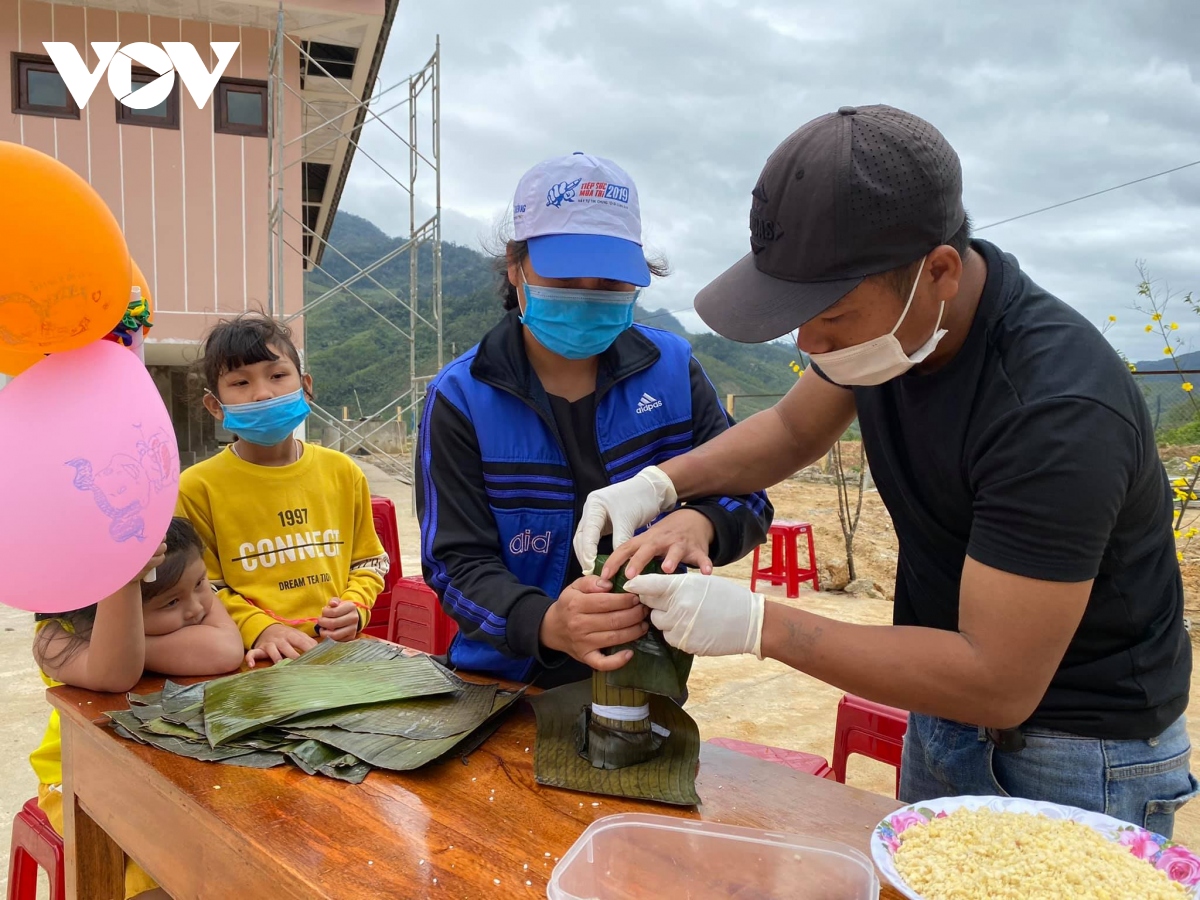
(850, 194)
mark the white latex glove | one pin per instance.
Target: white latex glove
(702, 614)
(621, 509)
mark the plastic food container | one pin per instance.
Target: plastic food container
(642, 857)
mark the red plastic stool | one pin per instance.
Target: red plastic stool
(868, 729)
(793, 759)
(417, 619)
(785, 567)
(35, 844)
(383, 511)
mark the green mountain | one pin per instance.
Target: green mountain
(1173, 411)
(359, 354)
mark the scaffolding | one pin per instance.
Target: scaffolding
(323, 125)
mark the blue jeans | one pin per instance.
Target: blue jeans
(1143, 782)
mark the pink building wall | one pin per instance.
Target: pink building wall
(193, 203)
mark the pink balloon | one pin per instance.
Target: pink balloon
(89, 473)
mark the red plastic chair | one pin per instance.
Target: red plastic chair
(809, 763)
(868, 729)
(383, 511)
(35, 844)
(785, 567)
(417, 618)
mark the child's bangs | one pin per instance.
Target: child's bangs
(233, 348)
(183, 546)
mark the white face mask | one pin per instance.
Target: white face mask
(881, 359)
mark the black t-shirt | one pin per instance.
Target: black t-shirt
(576, 424)
(1032, 452)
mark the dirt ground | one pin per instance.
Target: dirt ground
(738, 697)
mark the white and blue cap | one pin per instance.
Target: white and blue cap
(580, 215)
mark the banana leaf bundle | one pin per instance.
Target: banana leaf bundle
(656, 667)
(340, 710)
(632, 739)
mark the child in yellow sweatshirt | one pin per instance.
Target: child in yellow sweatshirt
(291, 543)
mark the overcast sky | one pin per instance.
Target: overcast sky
(1043, 102)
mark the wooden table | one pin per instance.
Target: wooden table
(449, 831)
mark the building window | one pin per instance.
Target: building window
(164, 115)
(315, 176)
(329, 60)
(38, 89)
(240, 107)
(312, 212)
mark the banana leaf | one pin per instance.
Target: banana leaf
(400, 754)
(668, 777)
(614, 743)
(612, 748)
(267, 739)
(335, 653)
(656, 667)
(178, 697)
(255, 759)
(355, 774)
(170, 729)
(422, 719)
(240, 704)
(192, 750)
(313, 757)
(146, 713)
(501, 707)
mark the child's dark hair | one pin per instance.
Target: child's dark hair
(518, 251)
(243, 341)
(183, 545)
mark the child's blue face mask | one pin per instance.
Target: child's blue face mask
(574, 322)
(266, 422)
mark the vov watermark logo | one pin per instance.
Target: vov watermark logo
(171, 58)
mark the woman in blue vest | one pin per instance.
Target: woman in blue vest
(565, 395)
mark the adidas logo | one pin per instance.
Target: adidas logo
(647, 403)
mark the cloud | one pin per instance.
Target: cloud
(1044, 102)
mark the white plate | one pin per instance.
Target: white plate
(1179, 863)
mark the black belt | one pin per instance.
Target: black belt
(1007, 740)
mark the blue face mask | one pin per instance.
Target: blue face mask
(574, 322)
(267, 422)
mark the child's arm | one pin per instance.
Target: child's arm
(211, 648)
(115, 653)
(250, 621)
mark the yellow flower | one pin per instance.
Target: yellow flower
(1180, 495)
(1149, 328)
(1157, 317)
(1192, 532)
(1174, 326)
(1112, 318)
(1180, 482)
(1179, 555)
(1167, 351)
(1178, 534)
(1187, 387)
(1193, 497)
(1194, 459)
(1132, 367)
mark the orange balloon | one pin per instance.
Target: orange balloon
(66, 274)
(140, 281)
(14, 362)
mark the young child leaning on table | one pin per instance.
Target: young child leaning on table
(172, 625)
(290, 542)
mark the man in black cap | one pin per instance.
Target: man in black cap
(1038, 633)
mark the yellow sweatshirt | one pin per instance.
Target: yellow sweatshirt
(282, 541)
